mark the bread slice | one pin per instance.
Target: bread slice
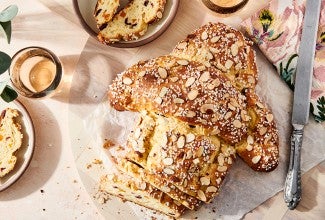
(104, 11)
(10, 140)
(142, 174)
(142, 193)
(187, 158)
(132, 21)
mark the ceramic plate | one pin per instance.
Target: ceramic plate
(85, 9)
(25, 153)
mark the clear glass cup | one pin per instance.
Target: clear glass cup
(225, 6)
(35, 72)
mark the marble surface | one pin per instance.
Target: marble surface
(51, 187)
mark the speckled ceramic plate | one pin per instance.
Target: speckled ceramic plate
(85, 9)
(25, 153)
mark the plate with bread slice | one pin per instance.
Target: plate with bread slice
(16, 142)
(123, 23)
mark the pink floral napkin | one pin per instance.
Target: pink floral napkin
(276, 29)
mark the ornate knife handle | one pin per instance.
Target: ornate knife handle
(292, 187)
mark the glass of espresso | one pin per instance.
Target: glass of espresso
(225, 6)
(35, 72)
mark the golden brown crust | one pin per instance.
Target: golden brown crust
(225, 48)
(171, 150)
(198, 95)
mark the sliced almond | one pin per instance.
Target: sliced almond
(165, 189)
(222, 169)
(250, 139)
(269, 117)
(168, 161)
(201, 195)
(237, 123)
(221, 159)
(260, 105)
(231, 107)
(127, 81)
(174, 79)
(162, 72)
(229, 161)
(200, 151)
(229, 64)
(190, 137)
(182, 62)
(256, 159)
(201, 68)
(158, 100)
(215, 39)
(214, 50)
(178, 101)
(163, 91)
(262, 130)
(181, 141)
(205, 180)
(192, 94)
(249, 147)
(228, 115)
(234, 49)
(204, 35)
(209, 56)
(196, 161)
(190, 114)
(230, 35)
(142, 73)
(205, 76)
(189, 81)
(207, 108)
(211, 189)
(251, 80)
(169, 171)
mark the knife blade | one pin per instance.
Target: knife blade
(301, 100)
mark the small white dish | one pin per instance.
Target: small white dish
(85, 10)
(25, 153)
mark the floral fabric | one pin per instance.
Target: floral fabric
(277, 29)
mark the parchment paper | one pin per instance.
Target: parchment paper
(243, 188)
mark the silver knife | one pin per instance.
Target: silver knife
(301, 100)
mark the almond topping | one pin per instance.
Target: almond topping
(163, 91)
(200, 151)
(201, 195)
(168, 161)
(234, 49)
(249, 147)
(211, 189)
(231, 107)
(182, 62)
(196, 161)
(190, 137)
(189, 155)
(251, 79)
(169, 171)
(178, 101)
(260, 105)
(262, 130)
(221, 159)
(158, 100)
(181, 142)
(250, 139)
(214, 50)
(165, 189)
(229, 160)
(162, 72)
(256, 159)
(269, 117)
(207, 108)
(174, 79)
(205, 76)
(190, 114)
(204, 35)
(222, 169)
(189, 81)
(142, 73)
(228, 115)
(229, 64)
(192, 94)
(201, 68)
(215, 39)
(127, 81)
(237, 123)
(205, 180)
(209, 56)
